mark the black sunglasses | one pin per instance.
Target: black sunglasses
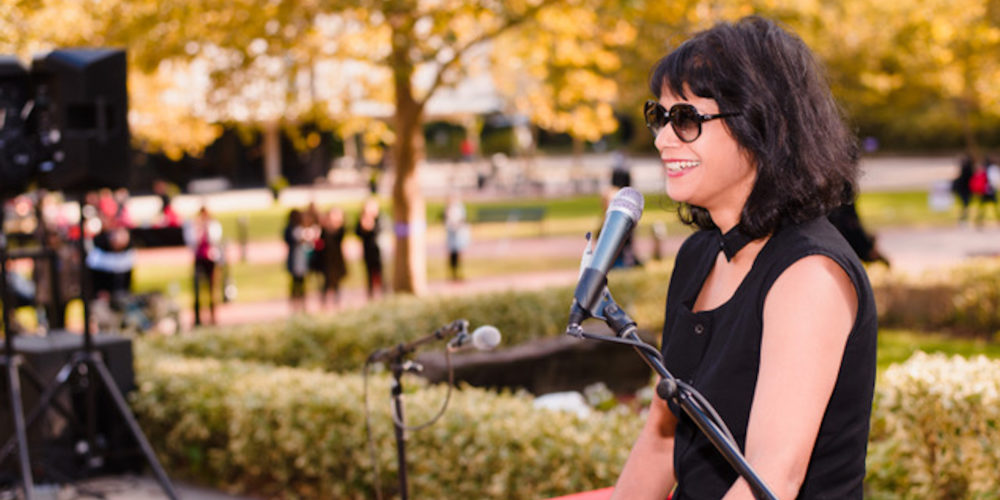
(683, 118)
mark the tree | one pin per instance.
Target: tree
(401, 49)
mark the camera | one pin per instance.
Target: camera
(64, 121)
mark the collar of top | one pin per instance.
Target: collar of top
(732, 242)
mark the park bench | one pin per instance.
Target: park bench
(512, 214)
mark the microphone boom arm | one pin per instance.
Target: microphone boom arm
(451, 329)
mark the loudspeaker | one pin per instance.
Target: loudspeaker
(16, 151)
(53, 441)
(82, 94)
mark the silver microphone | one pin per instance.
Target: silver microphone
(483, 338)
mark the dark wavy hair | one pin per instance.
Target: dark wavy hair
(806, 158)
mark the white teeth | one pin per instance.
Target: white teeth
(677, 166)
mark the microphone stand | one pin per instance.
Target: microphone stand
(398, 366)
(669, 388)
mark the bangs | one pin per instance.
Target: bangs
(686, 67)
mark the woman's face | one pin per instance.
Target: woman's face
(711, 172)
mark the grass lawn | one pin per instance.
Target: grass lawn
(896, 346)
(564, 216)
(567, 215)
(270, 281)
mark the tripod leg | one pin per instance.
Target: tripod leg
(126, 413)
(20, 430)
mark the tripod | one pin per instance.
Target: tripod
(89, 364)
(13, 364)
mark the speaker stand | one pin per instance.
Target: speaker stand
(87, 362)
(12, 368)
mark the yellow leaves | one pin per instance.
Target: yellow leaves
(560, 72)
(881, 82)
(621, 33)
(942, 33)
(162, 119)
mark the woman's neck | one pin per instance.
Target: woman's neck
(725, 220)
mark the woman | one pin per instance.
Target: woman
(457, 234)
(203, 236)
(331, 256)
(367, 229)
(299, 243)
(769, 313)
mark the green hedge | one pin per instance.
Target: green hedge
(297, 433)
(965, 299)
(291, 432)
(936, 429)
(341, 342)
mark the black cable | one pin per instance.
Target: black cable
(444, 406)
(367, 416)
(648, 349)
(705, 407)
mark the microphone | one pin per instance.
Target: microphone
(483, 338)
(623, 213)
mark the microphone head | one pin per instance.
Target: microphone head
(485, 337)
(629, 202)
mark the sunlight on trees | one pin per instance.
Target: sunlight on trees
(919, 74)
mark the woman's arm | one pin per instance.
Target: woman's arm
(649, 470)
(808, 315)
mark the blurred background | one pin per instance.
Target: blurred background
(485, 139)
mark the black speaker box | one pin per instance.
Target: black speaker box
(16, 153)
(84, 95)
(54, 441)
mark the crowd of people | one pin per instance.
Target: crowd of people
(977, 181)
(315, 246)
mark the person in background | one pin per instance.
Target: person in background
(457, 234)
(367, 229)
(845, 218)
(984, 190)
(111, 260)
(960, 186)
(299, 242)
(770, 315)
(330, 254)
(168, 216)
(621, 175)
(121, 196)
(203, 235)
(312, 223)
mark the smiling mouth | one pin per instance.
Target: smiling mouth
(679, 166)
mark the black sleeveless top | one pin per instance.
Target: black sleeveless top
(718, 352)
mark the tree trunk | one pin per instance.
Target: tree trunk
(408, 210)
(272, 152)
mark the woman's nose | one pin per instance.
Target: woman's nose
(666, 138)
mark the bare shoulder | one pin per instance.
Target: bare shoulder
(814, 289)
